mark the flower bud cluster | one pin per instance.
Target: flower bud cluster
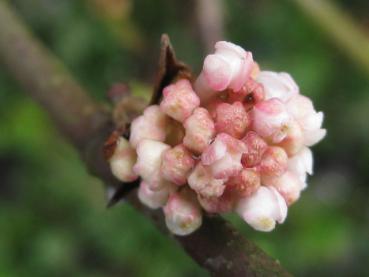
(235, 140)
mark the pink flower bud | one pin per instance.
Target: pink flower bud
(203, 90)
(224, 156)
(231, 119)
(301, 163)
(150, 125)
(263, 209)
(179, 100)
(245, 183)
(223, 204)
(288, 185)
(270, 120)
(149, 153)
(177, 164)
(278, 85)
(250, 94)
(302, 109)
(182, 213)
(154, 199)
(229, 67)
(274, 162)
(122, 161)
(294, 140)
(202, 181)
(255, 148)
(199, 129)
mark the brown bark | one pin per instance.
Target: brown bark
(210, 22)
(216, 246)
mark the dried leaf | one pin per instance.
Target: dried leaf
(111, 143)
(121, 192)
(170, 68)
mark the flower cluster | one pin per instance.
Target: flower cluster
(237, 139)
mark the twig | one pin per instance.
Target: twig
(216, 246)
(210, 17)
(340, 27)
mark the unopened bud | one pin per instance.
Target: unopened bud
(179, 100)
(255, 148)
(154, 199)
(202, 181)
(199, 130)
(274, 162)
(263, 209)
(122, 161)
(278, 85)
(270, 120)
(229, 67)
(176, 165)
(151, 125)
(231, 119)
(149, 153)
(182, 213)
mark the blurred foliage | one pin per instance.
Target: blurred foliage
(53, 219)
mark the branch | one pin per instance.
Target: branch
(217, 246)
(340, 27)
(209, 17)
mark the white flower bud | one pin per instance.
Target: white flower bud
(263, 209)
(182, 213)
(149, 153)
(151, 125)
(154, 199)
(122, 161)
(302, 163)
(277, 85)
(202, 181)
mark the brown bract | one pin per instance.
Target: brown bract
(169, 70)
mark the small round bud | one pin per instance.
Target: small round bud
(151, 125)
(223, 204)
(149, 153)
(302, 109)
(288, 185)
(294, 140)
(270, 120)
(231, 119)
(229, 67)
(301, 164)
(223, 156)
(202, 181)
(182, 213)
(263, 209)
(179, 100)
(274, 162)
(177, 164)
(122, 161)
(255, 148)
(278, 85)
(154, 199)
(203, 90)
(199, 129)
(245, 183)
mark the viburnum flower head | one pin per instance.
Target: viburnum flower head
(235, 140)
